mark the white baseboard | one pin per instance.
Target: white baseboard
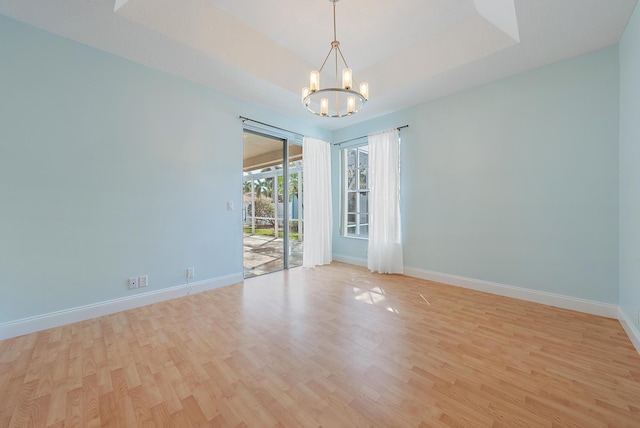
(573, 303)
(630, 329)
(81, 313)
(350, 260)
(551, 299)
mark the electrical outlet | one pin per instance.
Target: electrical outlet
(143, 281)
(190, 273)
(133, 282)
(637, 317)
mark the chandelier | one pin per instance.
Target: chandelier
(341, 100)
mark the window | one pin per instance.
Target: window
(354, 219)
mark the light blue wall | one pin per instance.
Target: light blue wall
(630, 167)
(514, 182)
(109, 169)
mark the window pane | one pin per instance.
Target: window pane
(352, 179)
(351, 156)
(351, 202)
(364, 202)
(364, 156)
(364, 178)
(364, 230)
(364, 218)
(352, 168)
(351, 219)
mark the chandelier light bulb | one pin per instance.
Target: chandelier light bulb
(324, 106)
(347, 78)
(314, 80)
(364, 90)
(351, 104)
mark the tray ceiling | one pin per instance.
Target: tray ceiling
(410, 52)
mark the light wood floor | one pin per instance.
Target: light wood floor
(333, 346)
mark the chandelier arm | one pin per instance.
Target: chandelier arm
(342, 56)
(325, 60)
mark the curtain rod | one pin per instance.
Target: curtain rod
(357, 138)
(244, 119)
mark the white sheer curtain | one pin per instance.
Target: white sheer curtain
(316, 188)
(385, 231)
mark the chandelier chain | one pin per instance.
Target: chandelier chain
(335, 37)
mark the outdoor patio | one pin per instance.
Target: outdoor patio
(264, 254)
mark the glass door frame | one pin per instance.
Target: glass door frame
(287, 140)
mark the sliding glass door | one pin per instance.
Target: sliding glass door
(272, 204)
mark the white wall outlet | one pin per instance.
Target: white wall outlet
(229, 206)
(190, 273)
(143, 281)
(637, 317)
(133, 282)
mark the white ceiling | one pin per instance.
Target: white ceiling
(409, 51)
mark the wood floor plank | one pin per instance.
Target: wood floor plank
(90, 401)
(74, 408)
(38, 412)
(58, 403)
(25, 401)
(334, 346)
(140, 407)
(110, 409)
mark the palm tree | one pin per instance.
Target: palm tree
(246, 186)
(293, 186)
(264, 187)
